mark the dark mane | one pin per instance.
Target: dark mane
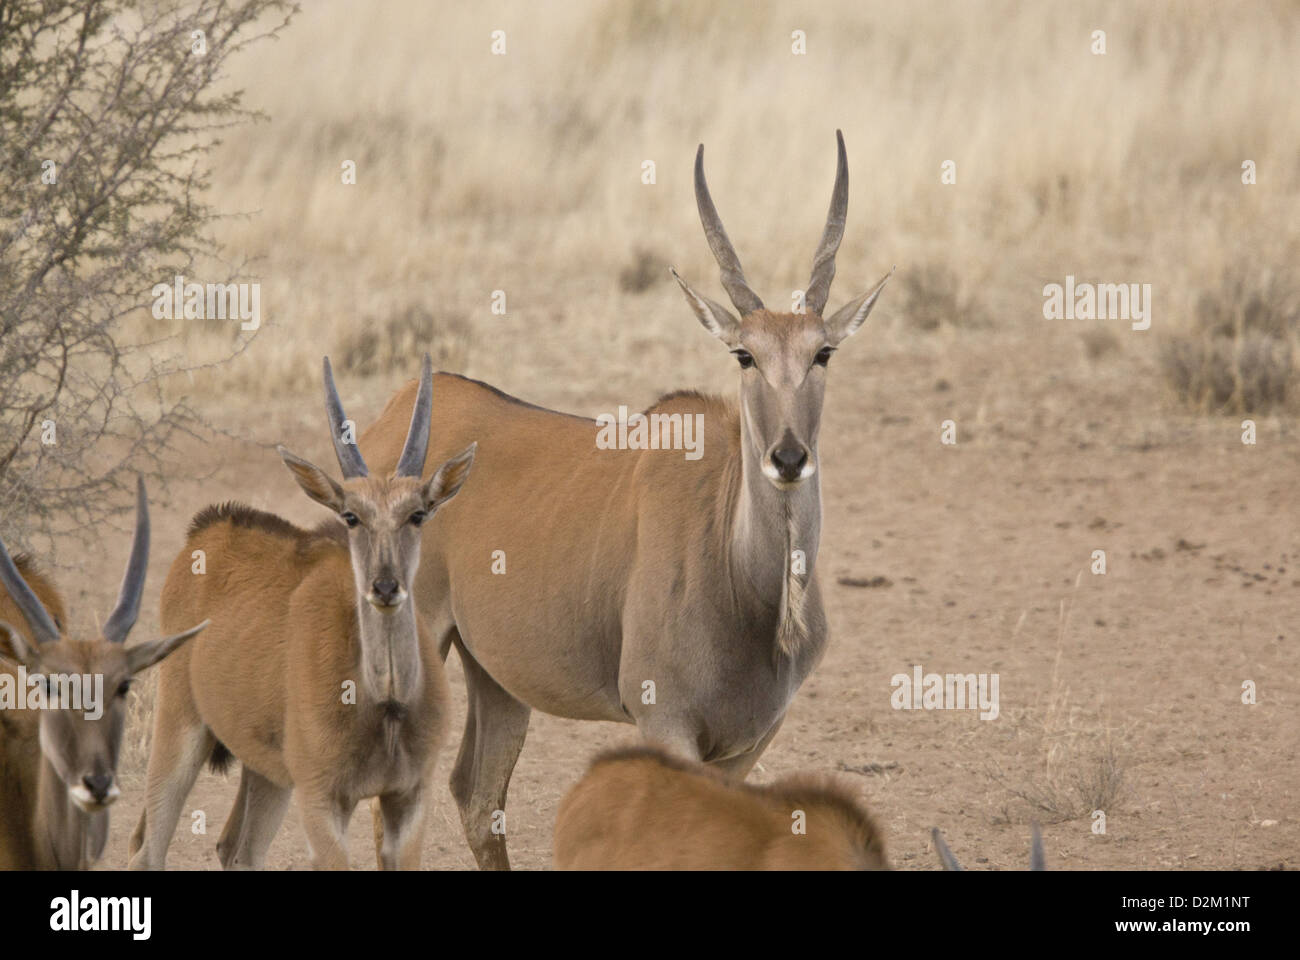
(682, 395)
(25, 564)
(242, 515)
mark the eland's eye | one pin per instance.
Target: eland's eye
(745, 358)
(823, 356)
(124, 688)
(418, 517)
(351, 519)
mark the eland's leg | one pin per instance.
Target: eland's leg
(259, 811)
(495, 727)
(177, 756)
(404, 817)
(325, 821)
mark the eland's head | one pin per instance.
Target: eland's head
(782, 356)
(80, 683)
(383, 517)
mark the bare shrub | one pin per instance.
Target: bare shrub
(107, 113)
(933, 296)
(376, 347)
(646, 269)
(1081, 768)
(1099, 343)
(1238, 354)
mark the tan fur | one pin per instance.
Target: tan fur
(267, 679)
(639, 809)
(20, 749)
(58, 762)
(637, 569)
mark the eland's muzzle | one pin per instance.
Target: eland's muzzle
(386, 593)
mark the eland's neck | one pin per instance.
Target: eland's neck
(774, 538)
(390, 652)
(64, 834)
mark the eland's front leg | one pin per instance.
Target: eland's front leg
(404, 816)
(495, 727)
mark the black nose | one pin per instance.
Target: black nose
(789, 462)
(385, 589)
(98, 784)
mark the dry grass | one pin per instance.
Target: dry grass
(933, 296)
(1080, 766)
(1237, 355)
(523, 172)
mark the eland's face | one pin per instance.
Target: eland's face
(783, 359)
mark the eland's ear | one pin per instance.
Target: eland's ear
(145, 655)
(716, 318)
(315, 482)
(446, 483)
(15, 649)
(848, 318)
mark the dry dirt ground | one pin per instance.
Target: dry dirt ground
(1121, 691)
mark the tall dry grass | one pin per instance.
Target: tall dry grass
(523, 172)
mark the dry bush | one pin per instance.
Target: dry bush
(646, 269)
(107, 119)
(1081, 762)
(1099, 343)
(478, 172)
(373, 347)
(1237, 356)
(932, 296)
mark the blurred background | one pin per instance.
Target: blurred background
(523, 172)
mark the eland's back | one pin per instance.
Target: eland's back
(640, 809)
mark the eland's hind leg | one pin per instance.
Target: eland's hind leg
(495, 727)
(177, 756)
(256, 817)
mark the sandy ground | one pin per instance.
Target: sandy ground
(985, 548)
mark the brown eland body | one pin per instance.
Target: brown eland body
(639, 809)
(640, 586)
(318, 675)
(58, 761)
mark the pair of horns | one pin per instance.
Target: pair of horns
(1037, 859)
(416, 447)
(124, 615)
(823, 271)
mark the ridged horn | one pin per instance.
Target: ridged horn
(349, 454)
(823, 271)
(416, 447)
(124, 615)
(42, 624)
(733, 278)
